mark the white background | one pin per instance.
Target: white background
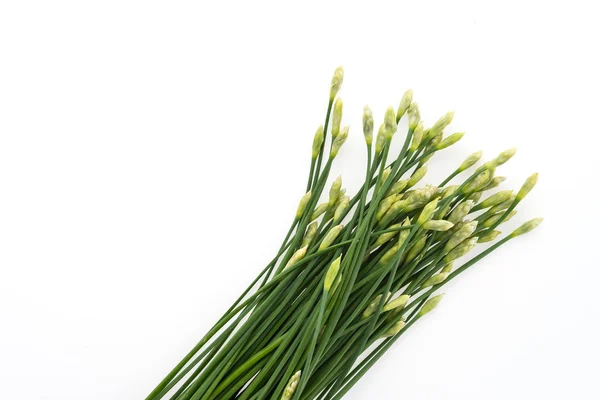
(152, 155)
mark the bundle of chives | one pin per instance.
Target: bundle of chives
(351, 272)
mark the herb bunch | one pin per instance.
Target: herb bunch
(352, 272)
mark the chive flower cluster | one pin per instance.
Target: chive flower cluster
(354, 272)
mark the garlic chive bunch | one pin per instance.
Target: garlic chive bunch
(354, 272)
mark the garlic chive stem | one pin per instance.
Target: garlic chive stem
(317, 168)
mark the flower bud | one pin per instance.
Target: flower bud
(495, 182)
(488, 236)
(336, 120)
(527, 227)
(319, 210)
(310, 233)
(381, 137)
(290, 388)
(474, 184)
(338, 142)
(334, 192)
(438, 225)
(368, 125)
(336, 82)
(493, 200)
(416, 249)
(297, 256)
(427, 212)
(384, 205)
(398, 186)
(404, 104)
(414, 116)
(332, 273)
(435, 280)
(417, 137)
(385, 237)
(475, 197)
(448, 191)
(417, 176)
(503, 157)
(318, 142)
(460, 211)
(389, 120)
(449, 141)
(491, 221)
(470, 161)
(460, 235)
(430, 305)
(331, 236)
(447, 268)
(394, 329)
(303, 203)
(461, 249)
(527, 186)
(397, 304)
(372, 308)
(340, 210)
(504, 205)
(442, 123)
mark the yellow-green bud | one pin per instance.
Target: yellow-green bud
(372, 308)
(416, 249)
(384, 205)
(417, 176)
(493, 200)
(495, 182)
(368, 125)
(503, 157)
(503, 206)
(334, 192)
(398, 186)
(417, 137)
(290, 388)
(448, 191)
(389, 120)
(475, 183)
(438, 225)
(385, 237)
(450, 140)
(427, 212)
(414, 116)
(491, 221)
(488, 236)
(470, 161)
(447, 268)
(319, 210)
(318, 142)
(303, 203)
(527, 227)
(430, 305)
(336, 82)
(336, 119)
(394, 329)
(332, 273)
(460, 235)
(527, 186)
(404, 104)
(338, 142)
(435, 280)
(443, 122)
(460, 211)
(331, 236)
(341, 208)
(475, 197)
(461, 249)
(420, 197)
(397, 304)
(297, 256)
(310, 233)
(385, 174)
(381, 137)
